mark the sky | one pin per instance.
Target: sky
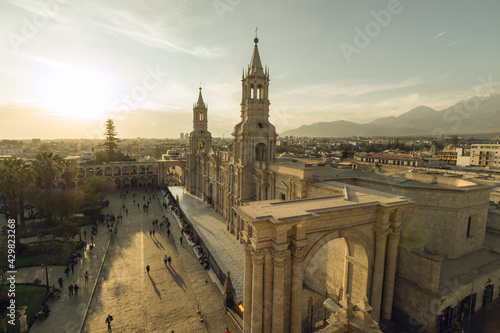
(67, 65)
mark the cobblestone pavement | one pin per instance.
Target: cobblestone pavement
(224, 247)
(166, 299)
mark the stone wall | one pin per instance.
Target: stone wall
(420, 269)
(493, 223)
(410, 299)
(325, 271)
(440, 215)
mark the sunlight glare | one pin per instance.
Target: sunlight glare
(78, 93)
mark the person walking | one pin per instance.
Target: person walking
(66, 271)
(76, 288)
(168, 232)
(150, 233)
(72, 268)
(86, 275)
(148, 268)
(85, 233)
(169, 259)
(60, 281)
(70, 289)
(153, 232)
(180, 239)
(109, 319)
(165, 258)
(227, 330)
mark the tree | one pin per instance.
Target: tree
(47, 166)
(68, 172)
(111, 139)
(16, 178)
(96, 189)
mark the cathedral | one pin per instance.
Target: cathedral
(385, 243)
(249, 173)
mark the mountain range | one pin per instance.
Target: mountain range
(479, 115)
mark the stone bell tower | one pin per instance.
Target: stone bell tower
(200, 141)
(254, 136)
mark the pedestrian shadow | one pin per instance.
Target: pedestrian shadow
(158, 243)
(153, 283)
(177, 278)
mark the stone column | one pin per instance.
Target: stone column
(247, 293)
(257, 290)
(278, 291)
(390, 272)
(268, 292)
(378, 272)
(298, 255)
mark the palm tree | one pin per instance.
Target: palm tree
(68, 172)
(16, 178)
(47, 166)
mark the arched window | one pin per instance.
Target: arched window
(260, 152)
(202, 116)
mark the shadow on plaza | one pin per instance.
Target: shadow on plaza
(153, 283)
(177, 278)
(157, 243)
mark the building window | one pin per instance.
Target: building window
(283, 197)
(468, 226)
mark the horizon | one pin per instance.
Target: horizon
(67, 67)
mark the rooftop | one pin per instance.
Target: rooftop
(350, 196)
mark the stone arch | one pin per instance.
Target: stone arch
(261, 152)
(125, 171)
(133, 182)
(117, 171)
(133, 170)
(89, 172)
(142, 170)
(108, 171)
(80, 173)
(150, 170)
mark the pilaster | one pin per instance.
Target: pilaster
(298, 255)
(279, 259)
(257, 290)
(390, 272)
(378, 272)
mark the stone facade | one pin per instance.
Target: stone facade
(300, 228)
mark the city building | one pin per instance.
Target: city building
(485, 155)
(390, 160)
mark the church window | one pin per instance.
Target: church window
(261, 125)
(202, 116)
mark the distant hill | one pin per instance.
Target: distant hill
(473, 116)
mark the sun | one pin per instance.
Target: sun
(78, 93)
